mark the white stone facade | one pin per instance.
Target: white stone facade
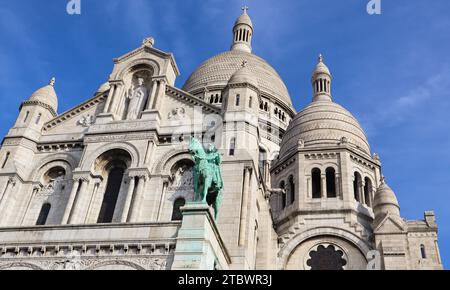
(101, 185)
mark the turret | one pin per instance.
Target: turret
(321, 81)
(243, 32)
(40, 108)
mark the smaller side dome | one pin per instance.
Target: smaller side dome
(46, 95)
(385, 201)
(243, 75)
(244, 18)
(321, 67)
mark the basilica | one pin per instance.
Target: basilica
(109, 184)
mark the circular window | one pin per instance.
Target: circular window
(326, 257)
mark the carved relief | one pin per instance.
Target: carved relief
(86, 121)
(177, 114)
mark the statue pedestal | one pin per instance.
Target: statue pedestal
(199, 245)
(104, 118)
(150, 115)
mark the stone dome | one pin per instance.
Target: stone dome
(385, 200)
(321, 68)
(243, 75)
(244, 19)
(322, 124)
(218, 70)
(46, 95)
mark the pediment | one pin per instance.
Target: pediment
(180, 107)
(77, 119)
(390, 224)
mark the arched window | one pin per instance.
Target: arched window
(43, 215)
(266, 108)
(283, 195)
(211, 100)
(357, 186)
(232, 146)
(216, 100)
(291, 189)
(423, 252)
(176, 214)
(250, 101)
(221, 99)
(38, 118)
(368, 191)
(27, 114)
(115, 178)
(316, 183)
(6, 159)
(331, 182)
(238, 100)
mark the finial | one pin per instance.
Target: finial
(320, 58)
(245, 9)
(149, 42)
(52, 81)
(244, 63)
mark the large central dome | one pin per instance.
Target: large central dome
(217, 71)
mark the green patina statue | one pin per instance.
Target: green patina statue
(208, 183)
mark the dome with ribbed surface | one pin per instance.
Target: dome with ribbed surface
(218, 70)
(243, 75)
(322, 124)
(244, 19)
(385, 200)
(46, 95)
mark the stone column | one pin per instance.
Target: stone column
(134, 214)
(161, 201)
(78, 203)
(308, 188)
(199, 244)
(160, 95)
(338, 186)
(323, 187)
(128, 199)
(150, 148)
(35, 191)
(10, 184)
(244, 205)
(151, 97)
(362, 197)
(97, 183)
(70, 202)
(109, 99)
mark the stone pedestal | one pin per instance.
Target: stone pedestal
(151, 115)
(104, 118)
(199, 245)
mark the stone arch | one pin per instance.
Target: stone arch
(45, 164)
(88, 163)
(311, 166)
(292, 244)
(20, 265)
(129, 264)
(137, 63)
(166, 163)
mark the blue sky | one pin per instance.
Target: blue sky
(390, 70)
